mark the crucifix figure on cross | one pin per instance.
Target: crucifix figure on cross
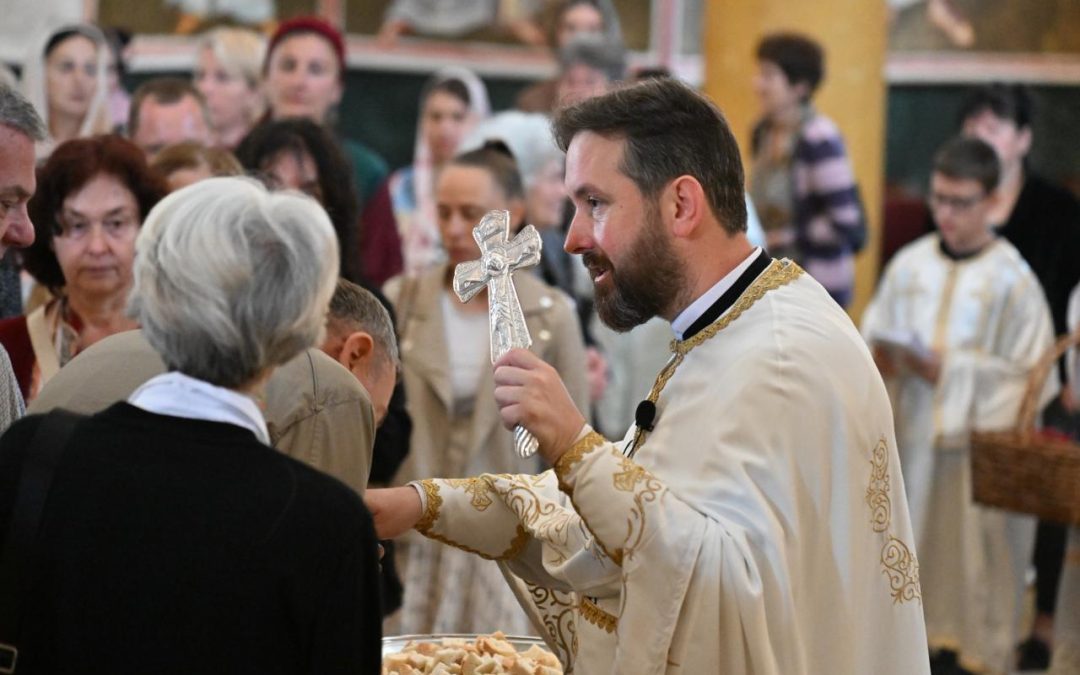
(500, 258)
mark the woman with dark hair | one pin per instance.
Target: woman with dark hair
(304, 76)
(456, 429)
(91, 199)
(297, 154)
(451, 103)
(801, 180)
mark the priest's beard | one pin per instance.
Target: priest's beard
(647, 283)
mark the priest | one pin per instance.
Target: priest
(957, 324)
(754, 519)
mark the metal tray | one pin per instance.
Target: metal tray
(395, 643)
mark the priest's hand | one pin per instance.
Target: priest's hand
(530, 392)
(395, 510)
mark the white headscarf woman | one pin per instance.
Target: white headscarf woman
(65, 77)
(445, 118)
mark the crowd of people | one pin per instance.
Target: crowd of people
(238, 301)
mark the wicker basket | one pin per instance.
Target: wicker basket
(1024, 470)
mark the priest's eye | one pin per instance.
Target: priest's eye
(593, 203)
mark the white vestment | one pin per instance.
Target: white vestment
(1066, 659)
(987, 317)
(761, 527)
(1067, 617)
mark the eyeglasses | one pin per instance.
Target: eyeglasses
(117, 227)
(939, 201)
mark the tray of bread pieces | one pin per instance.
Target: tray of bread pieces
(467, 654)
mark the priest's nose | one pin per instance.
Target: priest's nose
(579, 236)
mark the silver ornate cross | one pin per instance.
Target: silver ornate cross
(500, 258)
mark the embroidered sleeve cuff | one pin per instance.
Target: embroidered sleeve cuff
(430, 502)
(465, 513)
(588, 441)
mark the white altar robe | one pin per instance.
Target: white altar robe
(1066, 658)
(987, 316)
(1067, 617)
(760, 528)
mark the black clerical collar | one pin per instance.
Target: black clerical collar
(725, 301)
(958, 257)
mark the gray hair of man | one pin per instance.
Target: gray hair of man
(354, 308)
(528, 135)
(231, 280)
(17, 113)
(597, 53)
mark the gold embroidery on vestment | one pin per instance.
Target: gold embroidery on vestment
(480, 490)
(592, 613)
(877, 495)
(649, 491)
(902, 569)
(777, 274)
(898, 562)
(557, 611)
(576, 453)
(434, 503)
(616, 555)
(431, 514)
(631, 474)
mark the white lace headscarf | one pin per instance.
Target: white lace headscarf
(34, 83)
(420, 230)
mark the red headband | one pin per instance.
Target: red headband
(310, 24)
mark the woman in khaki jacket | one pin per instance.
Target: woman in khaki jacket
(447, 372)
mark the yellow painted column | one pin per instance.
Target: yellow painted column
(854, 35)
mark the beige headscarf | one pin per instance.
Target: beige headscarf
(34, 83)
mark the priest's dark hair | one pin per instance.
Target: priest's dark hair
(497, 158)
(1011, 102)
(965, 158)
(670, 130)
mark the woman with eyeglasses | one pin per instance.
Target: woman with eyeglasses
(92, 196)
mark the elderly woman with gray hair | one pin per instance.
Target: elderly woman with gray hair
(175, 540)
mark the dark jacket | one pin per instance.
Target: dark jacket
(172, 545)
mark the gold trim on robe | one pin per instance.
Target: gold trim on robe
(471, 486)
(592, 613)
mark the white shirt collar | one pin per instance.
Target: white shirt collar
(180, 395)
(693, 312)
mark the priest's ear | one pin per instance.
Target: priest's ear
(683, 206)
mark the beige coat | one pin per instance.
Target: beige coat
(316, 410)
(557, 339)
(447, 590)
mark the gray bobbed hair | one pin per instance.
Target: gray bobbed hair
(231, 279)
